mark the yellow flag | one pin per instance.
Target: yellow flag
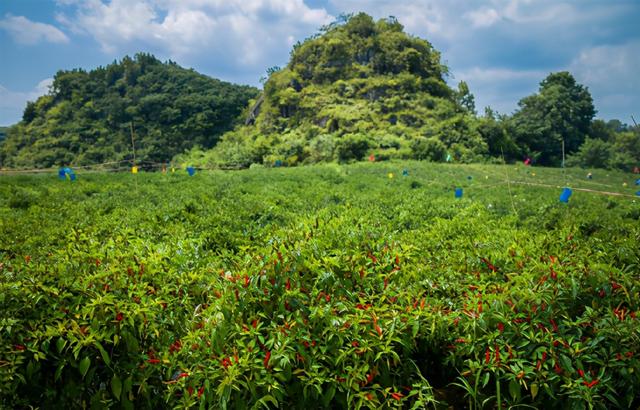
(134, 170)
(390, 175)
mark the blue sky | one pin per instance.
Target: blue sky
(502, 48)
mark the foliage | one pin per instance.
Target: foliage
(561, 112)
(319, 287)
(620, 151)
(87, 116)
(357, 80)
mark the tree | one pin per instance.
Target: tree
(465, 98)
(594, 153)
(561, 111)
(495, 131)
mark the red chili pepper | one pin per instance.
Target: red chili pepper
(591, 384)
(378, 329)
(487, 356)
(397, 396)
(555, 326)
(615, 286)
(267, 356)
(501, 327)
(581, 372)
(480, 306)
(558, 369)
(287, 285)
(369, 377)
(20, 347)
(538, 365)
(246, 281)
(355, 344)
(497, 353)
(386, 282)
(397, 260)
(200, 391)
(119, 316)
(602, 293)
(554, 275)
(544, 356)
(489, 265)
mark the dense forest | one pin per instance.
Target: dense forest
(356, 89)
(88, 117)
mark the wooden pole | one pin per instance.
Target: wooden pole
(133, 144)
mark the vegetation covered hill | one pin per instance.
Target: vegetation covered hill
(361, 87)
(358, 87)
(87, 116)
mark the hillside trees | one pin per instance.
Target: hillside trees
(87, 116)
(359, 87)
(562, 110)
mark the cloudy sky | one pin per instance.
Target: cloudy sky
(502, 48)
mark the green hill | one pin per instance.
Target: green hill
(358, 88)
(87, 117)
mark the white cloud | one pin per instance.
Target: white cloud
(611, 65)
(25, 31)
(239, 31)
(483, 17)
(490, 75)
(611, 74)
(12, 103)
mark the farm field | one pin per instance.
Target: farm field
(327, 286)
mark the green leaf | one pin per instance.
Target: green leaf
(514, 389)
(84, 366)
(534, 390)
(415, 328)
(328, 395)
(116, 386)
(485, 381)
(60, 344)
(566, 363)
(103, 353)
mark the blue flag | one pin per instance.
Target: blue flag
(565, 195)
(191, 171)
(66, 173)
(458, 192)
